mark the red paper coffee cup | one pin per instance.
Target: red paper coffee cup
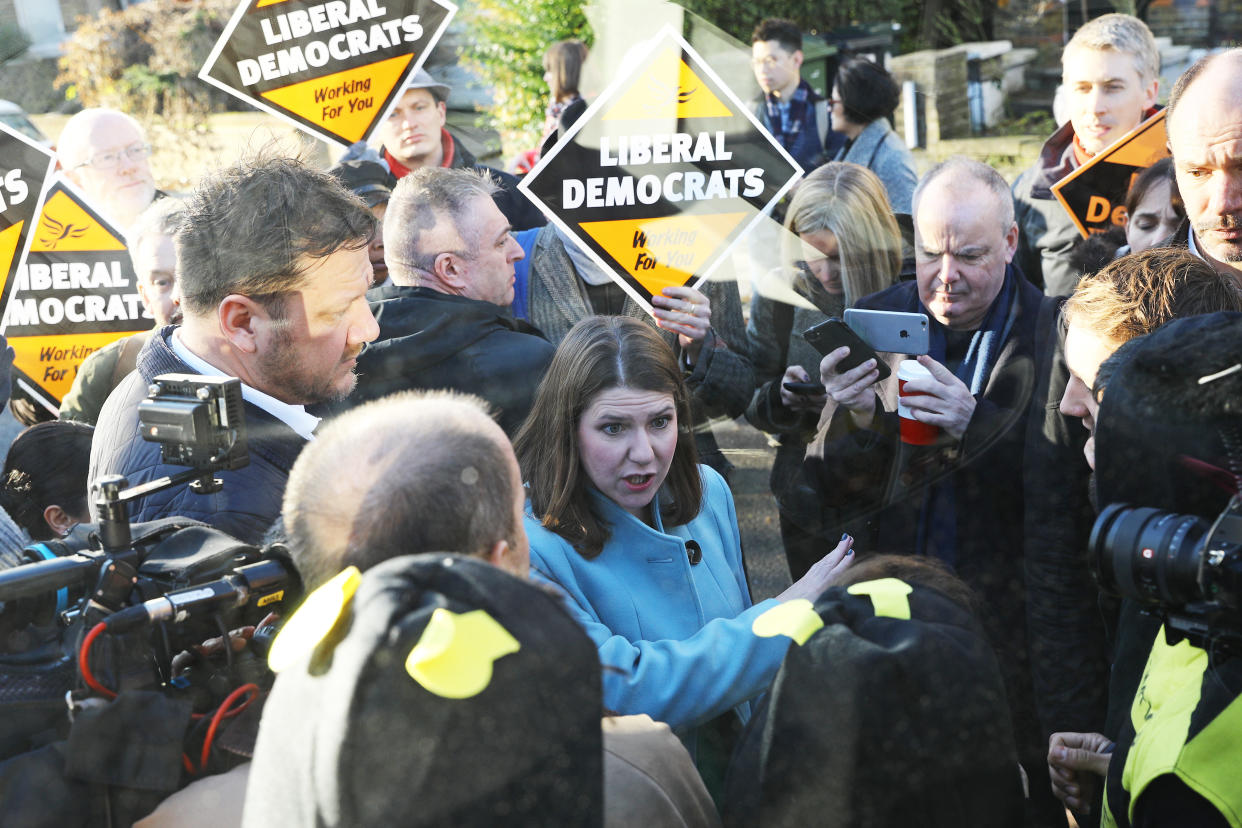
(913, 432)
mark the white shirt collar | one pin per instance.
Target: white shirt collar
(294, 416)
(1190, 243)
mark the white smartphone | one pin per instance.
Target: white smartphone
(894, 332)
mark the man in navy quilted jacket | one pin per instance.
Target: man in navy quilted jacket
(274, 268)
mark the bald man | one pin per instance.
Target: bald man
(428, 472)
(104, 153)
(1205, 137)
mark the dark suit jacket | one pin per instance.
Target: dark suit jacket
(867, 477)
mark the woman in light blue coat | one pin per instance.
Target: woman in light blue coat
(642, 540)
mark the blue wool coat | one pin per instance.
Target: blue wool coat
(675, 639)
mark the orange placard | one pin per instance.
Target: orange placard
(1094, 195)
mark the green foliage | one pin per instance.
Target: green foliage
(509, 40)
(814, 16)
(145, 60)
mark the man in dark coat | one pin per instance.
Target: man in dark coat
(414, 136)
(960, 499)
(444, 319)
(273, 264)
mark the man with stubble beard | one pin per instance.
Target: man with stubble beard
(273, 264)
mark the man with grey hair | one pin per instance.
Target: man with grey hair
(104, 153)
(444, 316)
(1110, 74)
(155, 266)
(961, 498)
(1205, 137)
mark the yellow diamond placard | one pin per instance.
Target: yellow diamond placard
(332, 69)
(75, 293)
(663, 173)
(668, 88)
(329, 101)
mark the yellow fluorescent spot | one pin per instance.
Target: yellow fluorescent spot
(796, 619)
(888, 596)
(349, 114)
(314, 619)
(454, 656)
(667, 88)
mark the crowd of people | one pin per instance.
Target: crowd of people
(496, 478)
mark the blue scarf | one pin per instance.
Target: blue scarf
(785, 130)
(938, 515)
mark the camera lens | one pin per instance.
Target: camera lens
(1148, 554)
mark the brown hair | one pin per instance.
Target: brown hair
(564, 61)
(599, 353)
(1138, 293)
(1160, 171)
(921, 570)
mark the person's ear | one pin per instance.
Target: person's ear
(498, 555)
(449, 271)
(1150, 94)
(1011, 242)
(443, 107)
(241, 321)
(796, 58)
(58, 520)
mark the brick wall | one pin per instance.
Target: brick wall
(940, 77)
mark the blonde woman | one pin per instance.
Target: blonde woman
(842, 243)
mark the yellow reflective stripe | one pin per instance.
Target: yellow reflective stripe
(1209, 763)
(1161, 711)
(454, 656)
(796, 619)
(889, 596)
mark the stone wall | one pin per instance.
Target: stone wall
(940, 77)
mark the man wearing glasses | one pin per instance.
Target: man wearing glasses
(104, 153)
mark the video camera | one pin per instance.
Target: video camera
(163, 587)
(1183, 567)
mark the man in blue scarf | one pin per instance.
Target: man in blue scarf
(962, 499)
(797, 117)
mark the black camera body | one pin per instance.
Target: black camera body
(1184, 568)
(198, 421)
(165, 586)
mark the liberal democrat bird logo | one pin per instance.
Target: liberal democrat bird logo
(58, 232)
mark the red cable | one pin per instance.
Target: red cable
(188, 765)
(223, 712)
(84, 661)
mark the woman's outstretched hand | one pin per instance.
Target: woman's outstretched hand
(823, 574)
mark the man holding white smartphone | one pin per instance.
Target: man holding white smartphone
(959, 498)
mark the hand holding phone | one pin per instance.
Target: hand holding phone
(800, 392)
(828, 336)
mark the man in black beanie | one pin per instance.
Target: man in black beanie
(1168, 437)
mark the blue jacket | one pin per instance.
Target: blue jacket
(675, 639)
(251, 498)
